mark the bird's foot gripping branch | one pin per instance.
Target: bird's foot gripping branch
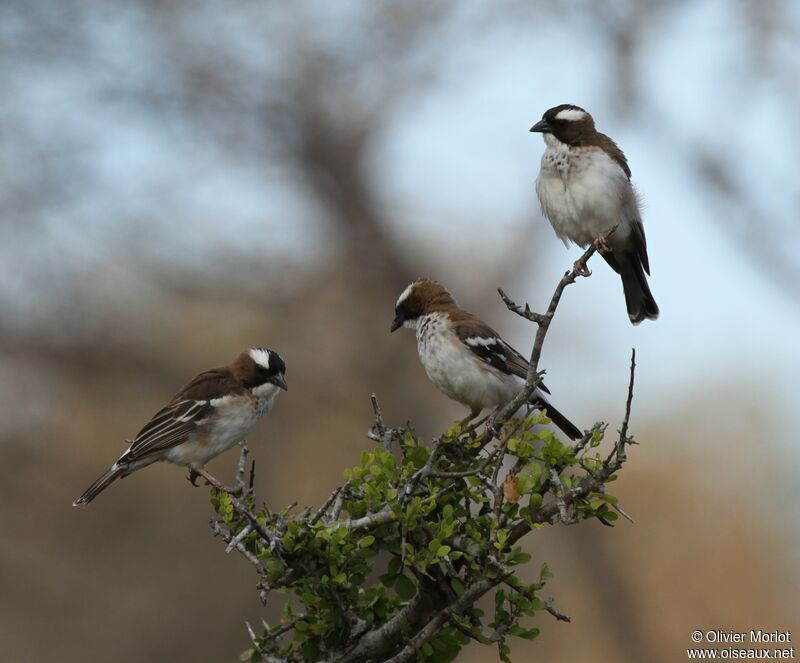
(392, 566)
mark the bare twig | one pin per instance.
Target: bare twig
(560, 616)
(380, 432)
(623, 431)
(560, 498)
(339, 503)
(242, 467)
(524, 312)
(327, 505)
(369, 521)
(236, 540)
(376, 408)
(532, 379)
(249, 556)
(272, 539)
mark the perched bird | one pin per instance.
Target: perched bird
(213, 412)
(584, 187)
(464, 357)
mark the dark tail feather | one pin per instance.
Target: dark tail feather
(569, 429)
(638, 298)
(103, 482)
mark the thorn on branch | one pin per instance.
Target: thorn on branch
(622, 512)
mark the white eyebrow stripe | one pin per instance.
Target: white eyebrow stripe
(571, 114)
(260, 357)
(404, 295)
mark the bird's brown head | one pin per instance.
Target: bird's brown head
(420, 297)
(569, 124)
(259, 366)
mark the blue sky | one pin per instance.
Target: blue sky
(460, 158)
(722, 321)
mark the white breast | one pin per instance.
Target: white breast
(584, 192)
(456, 372)
(233, 420)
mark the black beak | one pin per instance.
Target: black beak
(280, 381)
(397, 323)
(542, 127)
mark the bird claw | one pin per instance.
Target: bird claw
(212, 481)
(473, 414)
(601, 244)
(192, 478)
(580, 268)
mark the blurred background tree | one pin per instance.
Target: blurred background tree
(181, 180)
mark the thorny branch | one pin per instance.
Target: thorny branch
(533, 378)
(433, 606)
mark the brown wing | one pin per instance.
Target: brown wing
(612, 149)
(488, 346)
(173, 424)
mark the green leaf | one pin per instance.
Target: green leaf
(394, 565)
(517, 556)
(405, 587)
(528, 478)
(457, 585)
(504, 650)
(545, 573)
(433, 546)
(388, 579)
(527, 633)
(366, 541)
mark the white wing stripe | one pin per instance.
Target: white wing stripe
(169, 418)
(478, 340)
